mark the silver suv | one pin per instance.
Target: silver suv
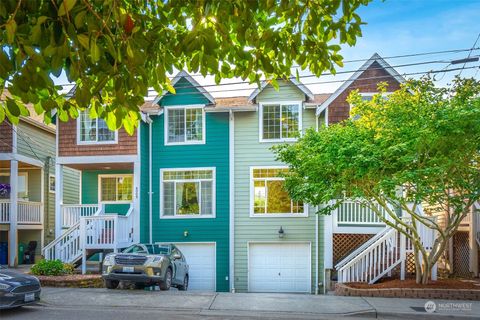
(147, 264)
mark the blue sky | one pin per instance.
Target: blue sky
(397, 27)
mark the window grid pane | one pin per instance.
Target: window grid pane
(108, 188)
(105, 134)
(289, 121)
(169, 198)
(124, 189)
(271, 122)
(207, 198)
(88, 127)
(194, 124)
(176, 125)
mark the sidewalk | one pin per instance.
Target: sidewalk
(257, 305)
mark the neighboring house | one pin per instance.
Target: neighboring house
(189, 179)
(27, 178)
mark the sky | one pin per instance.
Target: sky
(398, 27)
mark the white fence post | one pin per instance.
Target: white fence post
(403, 255)
(83, 245)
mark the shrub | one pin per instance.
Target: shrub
(52, 268)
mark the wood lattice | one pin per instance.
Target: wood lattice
(345, 243)
(461, 254)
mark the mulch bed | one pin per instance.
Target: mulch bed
(72, 281)
(410, 283)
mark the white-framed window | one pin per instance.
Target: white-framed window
(22, 185)
(268, 197)
(94, 131)
(115, 188)
(187, 193)
(280, 121)
(51, 183)
(184, 125)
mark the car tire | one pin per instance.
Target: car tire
(111, 284)
(167, 281)
(184, 286)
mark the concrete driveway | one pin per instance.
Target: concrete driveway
(248, 305)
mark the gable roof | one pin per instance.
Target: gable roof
(189, 78)
(375, 58)
(297, 83)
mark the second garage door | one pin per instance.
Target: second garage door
(201, 260)
(279, 267)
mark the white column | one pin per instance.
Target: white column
(58, 199)
(328, 241)
(473, 242)
(13, 233)
(136, 201)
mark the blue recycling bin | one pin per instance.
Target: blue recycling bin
(3, 253)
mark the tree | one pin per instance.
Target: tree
(420, 146)
(114, 50)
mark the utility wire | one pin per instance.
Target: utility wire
(469, 54)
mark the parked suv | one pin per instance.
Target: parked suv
(147, 264)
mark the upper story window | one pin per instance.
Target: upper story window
(93, 131)
(188, 193)
(269, 197)
(280, 121)
(184, 125)
(368, 96)
(115, 188)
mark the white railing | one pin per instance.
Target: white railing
(29, 212)
(4, 211)
(355, 213)
(71, 213)
(375, 261)
(426, 235)
(67, 247)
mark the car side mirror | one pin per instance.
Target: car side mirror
(176, 256)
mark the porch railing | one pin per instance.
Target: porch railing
(71, 213)
(4, 211)
(28, 212)
(354, 212)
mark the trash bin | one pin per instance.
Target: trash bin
(21, 252)
(3, 253)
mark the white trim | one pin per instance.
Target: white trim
(305, 213)
(279, 103)
(231, 165)
(150, 192)
(115, 175)
(21, 158)
(51, 176)
(375, 58)
(80, 142)
(190, 216)
(280, 242)
(97, 159)
(201, 242)
(298, 84)
(193, 82)
(184, 107)
(59, 198)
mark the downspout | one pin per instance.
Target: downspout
(150, 193)
(316, 254)
(231, 167)
(46, 192)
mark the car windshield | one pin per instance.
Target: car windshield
(157, 249)
(135, 249)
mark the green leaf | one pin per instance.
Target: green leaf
(94, 51)
(84, 41)
(80, 18)
(41, 20)
(13, 108)
(65, 7)
(2, 113)
(11, 28)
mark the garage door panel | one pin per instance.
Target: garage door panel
(201, 261)
(279, 267)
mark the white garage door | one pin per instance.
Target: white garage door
(279, 267)
(201, 260)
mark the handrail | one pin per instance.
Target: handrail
(65, 240)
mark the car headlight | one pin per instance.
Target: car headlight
(4, 286)
(153, 260)
(109, 260)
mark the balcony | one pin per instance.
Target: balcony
(28, 212)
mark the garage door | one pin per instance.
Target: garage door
(201, 260)
(279, 267)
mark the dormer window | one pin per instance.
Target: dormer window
(280, 121)
(184, 125)
(94, 131)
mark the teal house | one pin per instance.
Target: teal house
(186, 142)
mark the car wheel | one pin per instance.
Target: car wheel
(139, 285)
(184, 286)
(111, 284)
(167, 282)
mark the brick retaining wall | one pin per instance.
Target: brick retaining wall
(427, 293)
(87, 281)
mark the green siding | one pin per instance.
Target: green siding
(214, 153)
(144, 182)
(90, 190)
(249, 152)
(287, 92)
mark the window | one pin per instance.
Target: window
(116, 188)
(269, 196)
(51, 183)
(184, 125)
(94, 130)
(22, 186)
(188, 193)
(280, 121)
(368, 96)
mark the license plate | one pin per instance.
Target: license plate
(128, 269)
(29, 297)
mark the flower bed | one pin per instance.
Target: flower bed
(442, 289)
(72, 281)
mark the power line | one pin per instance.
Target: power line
(469, 54)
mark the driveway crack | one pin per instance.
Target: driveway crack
(212, 301)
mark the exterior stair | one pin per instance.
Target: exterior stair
(91, 234)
